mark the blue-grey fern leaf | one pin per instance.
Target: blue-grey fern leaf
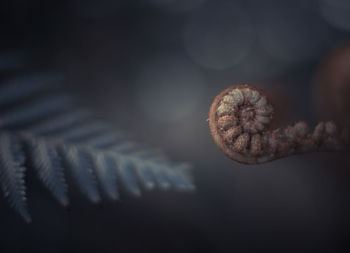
(146, 177)
(80, 164)
(162, 180)
(62, 137)
(106, 173)
(127, 175)
(48, 165)
(180, 177)
(12, 173)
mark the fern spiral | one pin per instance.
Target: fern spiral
(239, 119)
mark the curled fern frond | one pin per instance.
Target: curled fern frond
(56, 137)
(239, 121)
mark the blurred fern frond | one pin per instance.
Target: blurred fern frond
(44, 129)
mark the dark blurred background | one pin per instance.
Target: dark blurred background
(152, 67)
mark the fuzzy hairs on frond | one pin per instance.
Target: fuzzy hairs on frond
(47, 129)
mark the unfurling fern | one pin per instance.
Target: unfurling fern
(47, 130)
